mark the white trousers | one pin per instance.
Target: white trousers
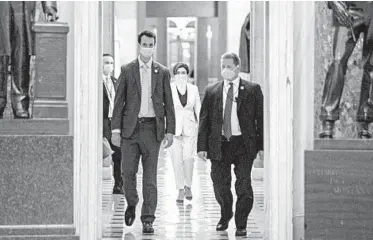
(182, 152)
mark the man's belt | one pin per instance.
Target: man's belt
(231, 139)
(145, 119)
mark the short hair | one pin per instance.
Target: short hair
(230, 55)
(180, 65)
(107, 55)
(147, 33)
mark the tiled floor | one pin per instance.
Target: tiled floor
(194, 219)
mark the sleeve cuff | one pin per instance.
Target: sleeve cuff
(115, 131)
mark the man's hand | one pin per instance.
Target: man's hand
(50, 14)
(261, 155)
(168, 140)
(202, 155)
(115, 139)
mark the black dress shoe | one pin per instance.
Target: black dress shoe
(223, 224)
(117, 190)
(147, 227)
(130, 215)
(241, 232)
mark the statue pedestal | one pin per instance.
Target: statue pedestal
(339, 190)
(37, 163)
(49, 87)
(37, 189)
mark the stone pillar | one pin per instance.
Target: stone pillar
(202, 73)
(125, 25)
(303, 110)
(258, 48)
(162, 41)
(88, 119)
(108, 27)
(278, 92)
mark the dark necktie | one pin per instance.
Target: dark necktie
(227, 127)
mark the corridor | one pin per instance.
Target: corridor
(194, 219)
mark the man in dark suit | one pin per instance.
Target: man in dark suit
(143, 116)
(110, 85)
(17, 47)
(231, 132)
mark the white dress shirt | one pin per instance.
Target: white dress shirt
(150, 112)
(110, 90)
(147, 65)
(236, 130)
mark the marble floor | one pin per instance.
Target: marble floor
(194, 219)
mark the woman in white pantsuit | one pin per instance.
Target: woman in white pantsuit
(187, 105)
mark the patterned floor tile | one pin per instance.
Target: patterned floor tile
(194, 219)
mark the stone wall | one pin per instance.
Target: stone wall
(346, 126)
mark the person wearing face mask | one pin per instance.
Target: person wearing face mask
(110, 85)
(143, 116)
(187, 105)
(231, 132)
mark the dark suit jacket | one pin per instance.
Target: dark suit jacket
(106, 103)
(128, 100)
(250, 117)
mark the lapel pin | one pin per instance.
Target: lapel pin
(241, 87)
(156, 70)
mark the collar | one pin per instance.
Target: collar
(235, 82)
(148, 64)
(105, 77)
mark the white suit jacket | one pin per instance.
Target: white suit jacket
(187, 117)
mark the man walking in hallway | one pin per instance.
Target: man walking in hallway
(143, 115)
(231, 132)
(110, 86)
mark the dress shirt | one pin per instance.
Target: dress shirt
(236, 130)
(110, 90)
(147, 65)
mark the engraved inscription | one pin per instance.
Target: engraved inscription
(51, 67)
(355, 190)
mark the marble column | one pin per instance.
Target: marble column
(258, 48)
(88, 119)
(278, 117)
(303, 109)
(125, 30)
(202, 73)
(108, 27)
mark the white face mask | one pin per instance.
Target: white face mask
(146, 52)
(228, 74)
(108, 68)
(181, 78)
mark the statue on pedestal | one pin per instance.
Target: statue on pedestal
(244, 51)
(349, 20)
(16, 48)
